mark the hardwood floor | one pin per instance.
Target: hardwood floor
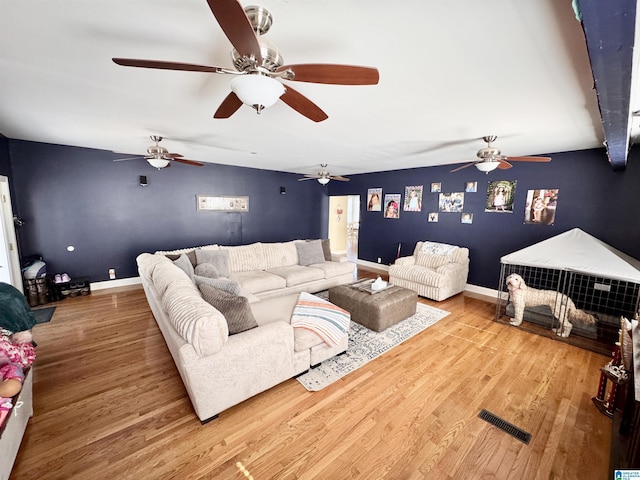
(109, 404)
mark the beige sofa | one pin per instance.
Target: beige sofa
(220, 370)
(435, 270)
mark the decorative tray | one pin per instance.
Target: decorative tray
(365, 286)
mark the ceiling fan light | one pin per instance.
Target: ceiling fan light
(257, 91)
(487, 167)
(323, 180)
(158, 162)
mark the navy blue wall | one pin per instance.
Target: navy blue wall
(80, 197)
(592, 197)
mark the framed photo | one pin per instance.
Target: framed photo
(374, 200)
(413, 198)
(471, 187)
(540, 207)
(466, 218)
(433, 217)
(392, 205)
(211, 203)
(436, 187)
(451, 202)
(500, 196)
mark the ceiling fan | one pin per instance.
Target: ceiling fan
(323, 176)
(258, 64)
(159, 157)
(490, 158)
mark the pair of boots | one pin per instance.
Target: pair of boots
(37, 291)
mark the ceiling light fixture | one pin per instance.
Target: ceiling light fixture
(158, 162)
(488, 166)
(257, 91)
(323, 180)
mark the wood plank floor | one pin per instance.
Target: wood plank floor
(109, 404)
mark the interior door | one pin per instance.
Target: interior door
(9, 257)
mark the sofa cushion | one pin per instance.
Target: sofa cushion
(334, 269)
(206, 270)
(432, 260)
(236, 309)
(281, 254)
(310, 252)
(326, 249)
(421, 275)
(296, 275)
(185, 265)
(245, 258)
(197, 322)
(258, 281)
(222, 283)
(217, 258)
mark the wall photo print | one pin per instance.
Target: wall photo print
(392, 205)
(413, 198)
(436, 187)
(451, 202)
(500, 196)
(540, 207)
(433, 217)
(374, 200)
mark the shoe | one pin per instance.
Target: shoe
(57, 278)
(64, 278)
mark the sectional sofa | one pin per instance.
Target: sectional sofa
(218, 367)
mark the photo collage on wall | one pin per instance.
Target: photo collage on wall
(540, 205)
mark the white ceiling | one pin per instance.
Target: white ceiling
(449, 71)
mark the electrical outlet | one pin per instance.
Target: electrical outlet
(379, 259)
(112, 273)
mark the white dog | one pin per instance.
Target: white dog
(561, 305)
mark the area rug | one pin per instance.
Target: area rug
(366, 345)
(43, 315)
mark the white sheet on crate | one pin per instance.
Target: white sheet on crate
(577, 251)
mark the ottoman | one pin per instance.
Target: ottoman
(376, 311)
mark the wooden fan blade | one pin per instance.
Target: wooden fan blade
(463, 166)
(529, 159)
(504, 165)
(173, 155)
(303, 105)
(237, 27)
(339, 178)
(333, 74)
(188, 162)
(162, 65)
(228, 107)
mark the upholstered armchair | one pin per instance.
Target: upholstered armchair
(435, 270)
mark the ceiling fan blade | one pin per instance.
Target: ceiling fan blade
(303, 105)
(228, 107)
(162, 65)
(504, 165)
(309, 177)
(236, 27)
(139, 157)
(173, 156)
(339, 178)
(188, 162)
(333, 74)
(463, 166)
(529, 159)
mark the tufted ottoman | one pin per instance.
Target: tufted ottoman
(376, 311)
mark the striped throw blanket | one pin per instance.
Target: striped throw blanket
(328, 321)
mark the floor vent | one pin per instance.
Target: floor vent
(505, 426)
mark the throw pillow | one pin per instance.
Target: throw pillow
(310, 252)
(206, 270)
(191, 254)
(326, 249)
(217, 258)
(229, 286)
(184, 263)
(236, 310)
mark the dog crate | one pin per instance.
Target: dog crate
(598, 279)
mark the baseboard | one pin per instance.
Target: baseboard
(121, 282)
(373, 265)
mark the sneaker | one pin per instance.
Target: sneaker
(64, 278)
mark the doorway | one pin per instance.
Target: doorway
(344, 225)
(9, 257)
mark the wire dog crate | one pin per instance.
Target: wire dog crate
(605, 295)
